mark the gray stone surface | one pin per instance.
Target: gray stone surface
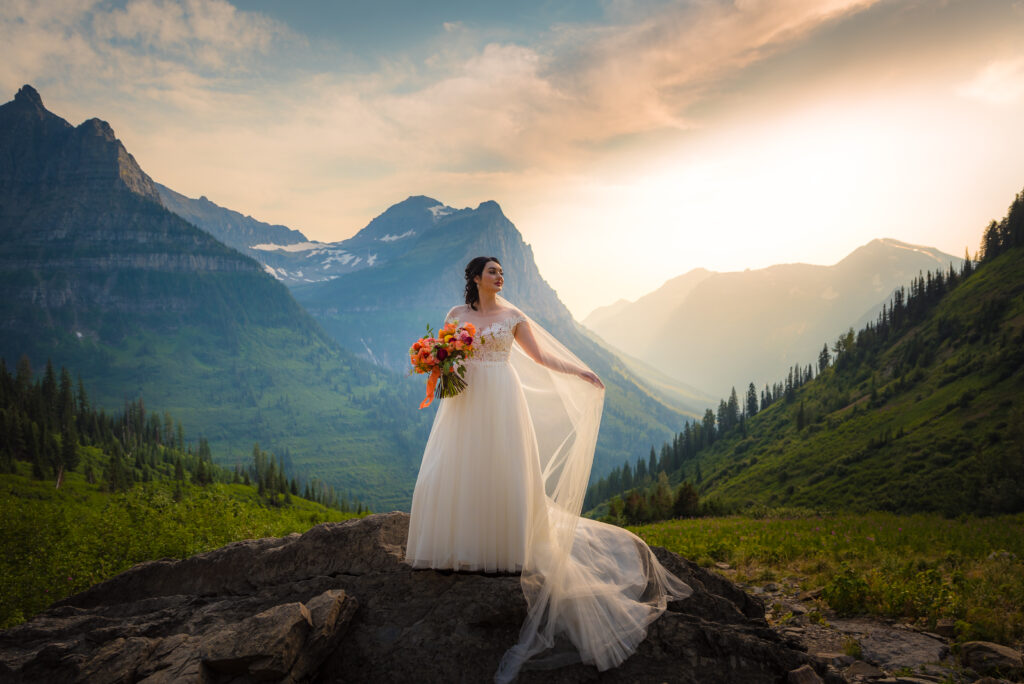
(892, 648)
(338, 604)
(987, 658)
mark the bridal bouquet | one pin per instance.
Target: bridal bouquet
(443, 356)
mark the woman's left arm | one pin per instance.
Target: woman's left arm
(524, 336)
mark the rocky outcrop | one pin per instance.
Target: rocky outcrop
(338, 604)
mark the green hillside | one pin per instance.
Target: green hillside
(85, 494)
(922, 410)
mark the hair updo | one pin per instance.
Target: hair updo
(474, 268)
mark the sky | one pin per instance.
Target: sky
(630, 141)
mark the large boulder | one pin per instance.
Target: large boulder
(338, 604)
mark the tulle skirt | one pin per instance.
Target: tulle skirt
(479, 488)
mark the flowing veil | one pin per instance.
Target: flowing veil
(598, 585)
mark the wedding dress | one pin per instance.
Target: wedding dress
(501, 487)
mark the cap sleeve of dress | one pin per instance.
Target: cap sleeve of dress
(517, 318)
(452, 315)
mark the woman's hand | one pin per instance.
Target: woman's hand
(592, 379)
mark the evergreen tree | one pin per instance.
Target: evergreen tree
(69, 458)
(687, 503)
(751, 400)
(709, 427)
(733, 411)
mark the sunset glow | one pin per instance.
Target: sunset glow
(628, 141)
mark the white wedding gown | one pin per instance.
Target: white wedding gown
(500, 489)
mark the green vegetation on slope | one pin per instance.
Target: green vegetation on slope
(57, 542)
(85, 495)
(921, 567)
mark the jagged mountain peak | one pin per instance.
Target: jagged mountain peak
(42, 149)
(29, 96)
(99, 128)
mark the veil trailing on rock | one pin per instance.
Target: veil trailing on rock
(598, 585)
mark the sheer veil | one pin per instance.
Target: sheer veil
(596, 584)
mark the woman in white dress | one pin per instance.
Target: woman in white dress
(501, 487)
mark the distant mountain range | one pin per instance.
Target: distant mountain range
(98, 276)
(291, 257)
(716, 331)
(379, 309)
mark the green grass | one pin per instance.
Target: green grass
(921, 567)
(57, 542)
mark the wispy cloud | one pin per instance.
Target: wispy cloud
(999, 82)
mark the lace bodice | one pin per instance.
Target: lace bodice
(493, 341)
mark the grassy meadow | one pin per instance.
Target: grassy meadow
(57, 542)
(920, 567)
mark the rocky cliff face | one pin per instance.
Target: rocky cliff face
(338, 604)
(85, 238)
(43, 152)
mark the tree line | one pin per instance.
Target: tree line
(50, 424)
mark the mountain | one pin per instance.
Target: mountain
(230, 227)
(919, 411)
(97, 275)
(382, 308)
(292, 258)
(721, 330)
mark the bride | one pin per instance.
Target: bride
(501, 487)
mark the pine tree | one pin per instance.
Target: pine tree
(687, 502)
(751, 400)
(69, 458)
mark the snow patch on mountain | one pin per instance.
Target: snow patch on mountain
(391, 238)
(297, 247)
(439, 210)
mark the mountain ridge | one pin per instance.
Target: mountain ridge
(709, 320)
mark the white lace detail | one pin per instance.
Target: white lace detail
(494, 342)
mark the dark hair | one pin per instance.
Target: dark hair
(474, 268)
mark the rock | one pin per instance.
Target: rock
(772, 588)
(795, 608)
(837, 660)
(808, 595)
(890, 647)
(804, 674)
(263, 646)
(992, 659)
(946, 627)
(862, 669)
(723, 566)
(338, 604)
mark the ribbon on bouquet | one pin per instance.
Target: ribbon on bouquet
(431, 386)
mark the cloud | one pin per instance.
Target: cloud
(198, 89)
(999, 82)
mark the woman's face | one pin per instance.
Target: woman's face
(492, 278)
